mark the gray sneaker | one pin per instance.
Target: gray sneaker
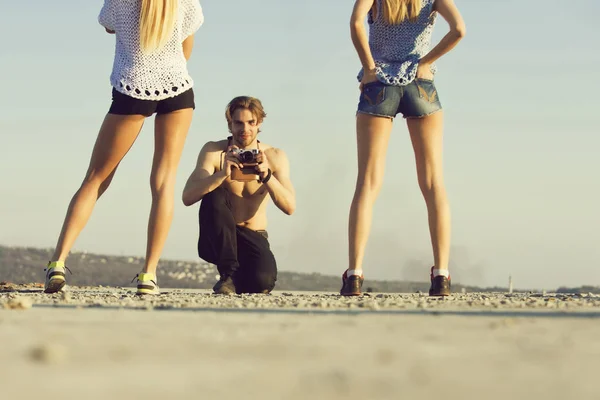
(55, 277)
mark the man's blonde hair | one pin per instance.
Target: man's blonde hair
(246, 102)
(398, 11)
(157, 21)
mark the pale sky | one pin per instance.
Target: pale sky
(522, 136)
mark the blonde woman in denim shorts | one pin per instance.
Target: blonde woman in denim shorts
(397, 77)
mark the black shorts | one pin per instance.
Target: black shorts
(127, 105)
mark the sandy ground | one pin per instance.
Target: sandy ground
(106, 343)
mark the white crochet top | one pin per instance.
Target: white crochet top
(160, 74)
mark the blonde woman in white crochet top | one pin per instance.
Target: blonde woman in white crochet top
(154, 40)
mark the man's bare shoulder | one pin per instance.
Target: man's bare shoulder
(276, 156)
(215, 146)
(210, 155)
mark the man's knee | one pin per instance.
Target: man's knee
(265, 282)
(261, 282)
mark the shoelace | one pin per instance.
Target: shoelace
(65, 267)
(137, 276)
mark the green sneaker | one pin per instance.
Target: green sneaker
(146, 284)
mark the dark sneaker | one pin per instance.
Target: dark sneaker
(225, 285)
(351, 285)
(440, 285)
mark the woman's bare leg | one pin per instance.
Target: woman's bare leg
(170, 133)
(427, 139)
(372, 137)
(117, 135)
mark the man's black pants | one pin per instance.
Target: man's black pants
(239, 252)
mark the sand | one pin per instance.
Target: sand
(106, 343)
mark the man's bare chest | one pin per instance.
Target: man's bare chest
(246, 190)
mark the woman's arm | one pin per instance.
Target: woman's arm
(359, 34)
(193, 19)
(188, 44)
(107, 18)
(448, 10)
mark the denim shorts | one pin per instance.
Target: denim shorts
(417, 99)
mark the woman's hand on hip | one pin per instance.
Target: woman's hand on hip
(368, 77)
(424, 71)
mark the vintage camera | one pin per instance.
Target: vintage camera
(248, 160)
(247, 156)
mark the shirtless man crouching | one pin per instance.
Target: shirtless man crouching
(235, 178)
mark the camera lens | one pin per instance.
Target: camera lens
(247, 156)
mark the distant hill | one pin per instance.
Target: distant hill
(25, 265)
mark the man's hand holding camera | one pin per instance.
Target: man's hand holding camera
(246, 165)
(263, 168)
(231, 161)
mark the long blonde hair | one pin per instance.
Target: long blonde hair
(397, 11)
(157, 21)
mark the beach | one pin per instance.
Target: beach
(99, 342)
